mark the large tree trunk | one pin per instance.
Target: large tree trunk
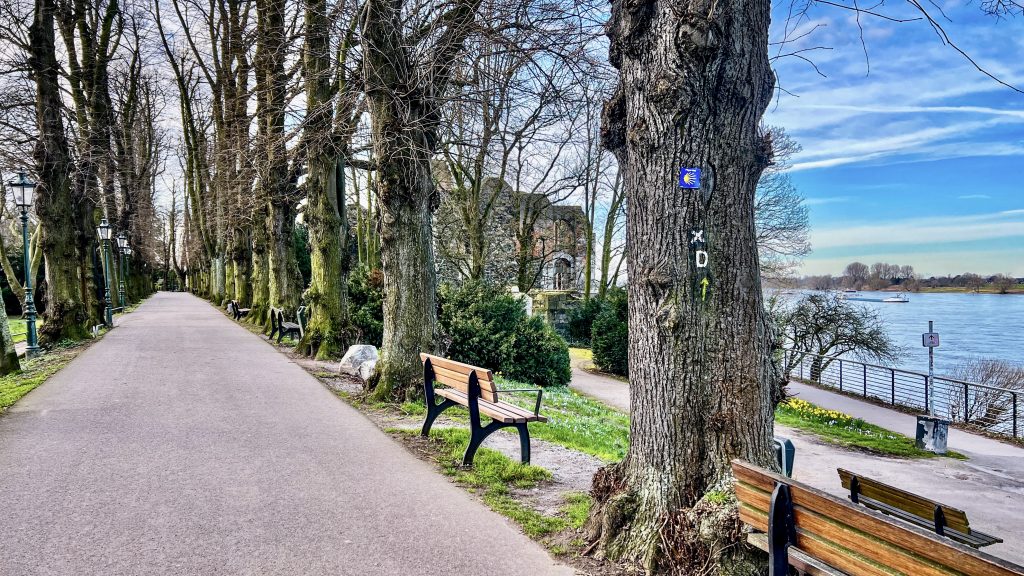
(404, 100)
(8, 356)
(407, 197)
(65, 315)
(694, 82)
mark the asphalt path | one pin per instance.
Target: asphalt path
(183, 444)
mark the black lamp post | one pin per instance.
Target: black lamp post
(24, 189)
(122, 245)
(103, 231)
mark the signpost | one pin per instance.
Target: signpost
(931, 430)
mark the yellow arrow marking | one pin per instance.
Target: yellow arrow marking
(704, 289)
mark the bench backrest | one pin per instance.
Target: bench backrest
(906, 501)
(852, 538)
(456, 375)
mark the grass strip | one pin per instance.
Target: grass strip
(841, 429)
(493, 475)
(34, 372)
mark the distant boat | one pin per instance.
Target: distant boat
(850, 291)
(897, 299)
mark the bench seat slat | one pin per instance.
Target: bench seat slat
(857, 540)
(974, 538)
(508, 413)
(487, 408)
(797, 558)
(908, 502)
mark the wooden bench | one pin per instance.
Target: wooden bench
(281, 327)
(236, 311)
(474, 388)
(918, 510)
(821, 534)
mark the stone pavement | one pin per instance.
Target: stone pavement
(181, 443)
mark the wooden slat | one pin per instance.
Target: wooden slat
(906, 501)
(519, 410)
(925, 545)
(451, 373)
(797, 558)
(488, 391)
(866, 553)
(486, 408)
(459, 367)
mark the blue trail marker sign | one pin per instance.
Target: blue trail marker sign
(689, 178)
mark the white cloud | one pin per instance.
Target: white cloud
(917, 231)
(826, 200)
(974, 197)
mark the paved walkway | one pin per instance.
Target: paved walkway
(989, 486)
(183, 444)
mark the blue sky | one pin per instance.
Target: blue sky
(921, 159)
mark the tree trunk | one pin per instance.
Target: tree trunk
(407, 258)
(694, 82)
(65, 315)
(327, 333)
(285, 280)
(404, 99)
(8, 356)
(260, 263)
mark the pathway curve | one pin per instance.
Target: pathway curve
(183, 444)
(989, 486)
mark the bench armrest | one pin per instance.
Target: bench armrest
(539, 391)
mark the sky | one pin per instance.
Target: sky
(911, 156)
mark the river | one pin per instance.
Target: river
(970, 326)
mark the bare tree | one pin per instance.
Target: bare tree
(780, 214)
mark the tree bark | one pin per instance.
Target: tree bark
(65, 315)
(404, 101)
(694, 83)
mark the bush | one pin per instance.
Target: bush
(484, 325)
(581, 321)
(366, 304)
(540, 355)
(610, 336)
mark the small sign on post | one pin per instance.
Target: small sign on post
(930, 339)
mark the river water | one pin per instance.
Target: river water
(970, 326)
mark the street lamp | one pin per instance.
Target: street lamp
(24, 189)
(122, 245)
(103, 231)
(127, 251)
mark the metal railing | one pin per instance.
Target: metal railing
(987, 408)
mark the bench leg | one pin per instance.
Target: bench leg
(524, 442)
(433, 411)
(477, 437)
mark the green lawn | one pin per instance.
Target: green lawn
(844, 430)
(584, 354)
(19, 328)
(576, 422)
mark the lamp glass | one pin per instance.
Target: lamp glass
(23, 190)
(128, 251)
(103, 230)
(122, 241)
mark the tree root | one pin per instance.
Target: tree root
(702, 540)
